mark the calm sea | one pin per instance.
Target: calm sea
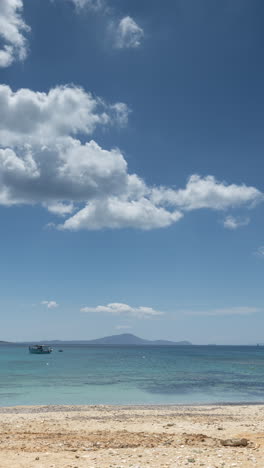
(132, 375)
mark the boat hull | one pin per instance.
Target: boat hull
(39, 350)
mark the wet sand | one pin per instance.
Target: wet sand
(131, 436)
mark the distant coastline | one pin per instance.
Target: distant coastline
(124, 339)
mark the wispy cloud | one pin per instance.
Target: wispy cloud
(50, 304)
(127, 33)
(231, 222)
(260, 252)
(95, 5)
(243, 310)
(123, 327)
(118, 308)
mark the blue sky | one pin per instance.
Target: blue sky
(131, 169)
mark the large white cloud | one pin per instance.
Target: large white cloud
(117, 308)
(41, 163)
(12, 30)
(28, 116)
(42, 160)
(151, 208)
(65, 171)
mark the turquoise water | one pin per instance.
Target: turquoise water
(132, 375)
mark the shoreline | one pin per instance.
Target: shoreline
(75, 407)
(136, 436)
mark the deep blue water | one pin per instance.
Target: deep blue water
(132, 375)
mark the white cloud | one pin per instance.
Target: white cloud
(149, 208)
(50, 304)
(121, 113)
(127, 33)
(117, 213)
(12, 30)
(66, 171)
(230, 222)
(95, 5)
(117, 308)
(29, 117)
(207, 192)
(225, 311)
(42, 160)
(59, 208)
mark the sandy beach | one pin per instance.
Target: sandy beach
(135, 437)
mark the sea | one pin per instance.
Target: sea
(127, 375)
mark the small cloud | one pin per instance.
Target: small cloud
(230, 222)
(50, 304)
(128, 34)
(50, 226)
(118, 308)
(95, 5)
(207, 192)
(59, 208)
(123, 327)
(225, 311)
(260, 251)
(120, 113)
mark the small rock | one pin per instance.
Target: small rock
(37, 458)
(234, 442)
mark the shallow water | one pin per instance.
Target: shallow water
(132, 375)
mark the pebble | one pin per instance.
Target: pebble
(235, 442)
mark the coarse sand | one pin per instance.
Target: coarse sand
(132, 436)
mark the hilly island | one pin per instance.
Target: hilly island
(125, 339)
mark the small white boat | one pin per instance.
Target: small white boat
(40, 349)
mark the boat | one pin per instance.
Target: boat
(40, 349)
(60, 350)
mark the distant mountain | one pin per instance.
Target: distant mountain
(129, 339)
(122, 340)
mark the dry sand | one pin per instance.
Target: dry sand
(135, 437)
